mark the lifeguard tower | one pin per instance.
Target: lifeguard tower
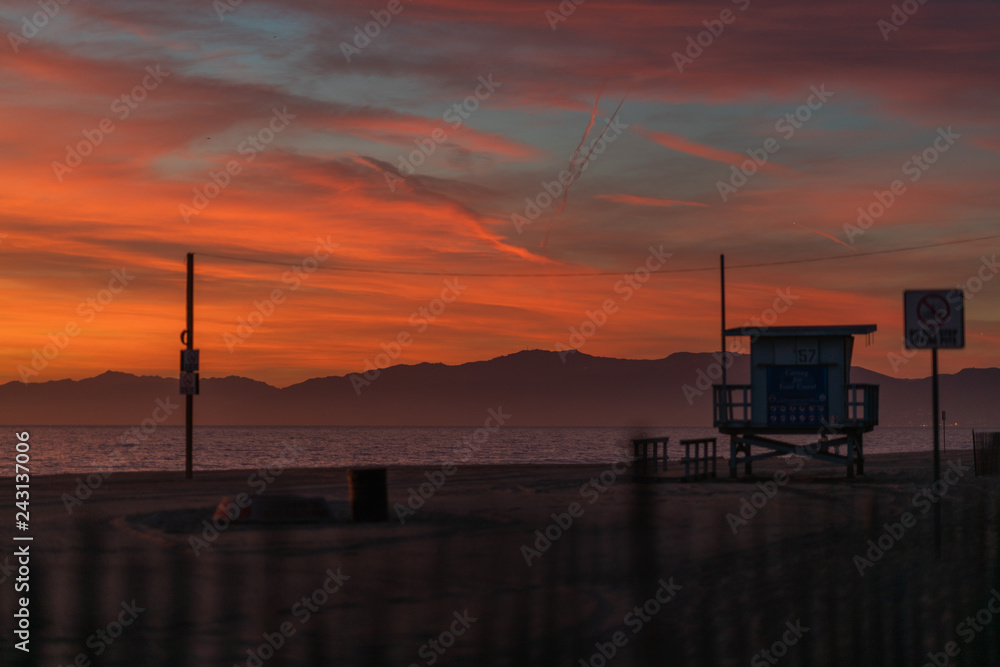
(799, 384)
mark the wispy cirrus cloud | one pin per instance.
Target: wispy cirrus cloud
(634, 200)
(326, 173)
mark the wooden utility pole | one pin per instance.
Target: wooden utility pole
(189, 397)
(722, 286)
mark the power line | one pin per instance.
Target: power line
(403, 272)
(861, 254)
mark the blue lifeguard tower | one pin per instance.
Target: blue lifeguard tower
(799, 384)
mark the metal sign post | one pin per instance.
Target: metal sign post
(934, 408)
(944, 425)
(934, 319)
(189, 370)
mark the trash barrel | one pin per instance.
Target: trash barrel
(369, 494)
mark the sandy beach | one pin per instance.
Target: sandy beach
(499, 565)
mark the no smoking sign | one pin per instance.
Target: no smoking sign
(934, 318)
(189, 383)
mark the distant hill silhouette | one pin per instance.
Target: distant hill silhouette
(534, 386)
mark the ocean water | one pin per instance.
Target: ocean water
(83, 449)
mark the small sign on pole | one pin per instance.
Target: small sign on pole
(189, 383)
(934, 318)
(189, 361)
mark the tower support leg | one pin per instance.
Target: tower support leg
(861, 453)
(732, 457)
(851, 439)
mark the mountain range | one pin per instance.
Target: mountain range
(535, 387)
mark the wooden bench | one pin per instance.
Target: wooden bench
(644, 460)
(703, 462)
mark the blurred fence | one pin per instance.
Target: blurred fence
(986, 449)
(738, 597)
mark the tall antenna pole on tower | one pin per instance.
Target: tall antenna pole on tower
(722, 285)
(189, 398)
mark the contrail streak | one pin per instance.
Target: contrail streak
(574, 160)
(832, 238)
(577, 169)
(590, 125)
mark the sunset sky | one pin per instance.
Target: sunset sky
(316, 126)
